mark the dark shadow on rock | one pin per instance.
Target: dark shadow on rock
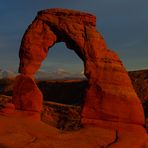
(3, 146)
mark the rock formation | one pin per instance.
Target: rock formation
(110, 95)
(27, 95)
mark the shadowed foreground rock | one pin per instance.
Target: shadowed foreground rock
(110, 100)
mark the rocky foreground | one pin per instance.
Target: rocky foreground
(76, 91)
(60, 128)
(61, 122)
(19, 132)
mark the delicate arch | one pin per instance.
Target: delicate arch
(110, 95)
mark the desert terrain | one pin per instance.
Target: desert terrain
(63, 100)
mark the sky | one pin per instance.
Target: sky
(123, 24)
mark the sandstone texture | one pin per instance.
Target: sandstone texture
(110, 95)
(26, 95)
(19, 131)
(22, 132)
(110, 103)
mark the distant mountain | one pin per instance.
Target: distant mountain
(45, 75)
(57, 75)
(42, 75)
(5, 74)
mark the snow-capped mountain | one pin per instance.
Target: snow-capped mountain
(7, 74)
(45, 75)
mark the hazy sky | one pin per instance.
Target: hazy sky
(123, 23)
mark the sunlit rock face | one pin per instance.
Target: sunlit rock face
(110, 95)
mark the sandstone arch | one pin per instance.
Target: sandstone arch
(110, 95)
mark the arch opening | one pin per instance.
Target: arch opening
(60, 77)
(61, 60)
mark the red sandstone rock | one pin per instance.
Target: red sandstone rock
(8, 110)
(110, 95)
(26, 95)
(25, 133)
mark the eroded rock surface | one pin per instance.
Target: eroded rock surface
(22, 133)
(111, 104)
(26, 95)
(110, 95)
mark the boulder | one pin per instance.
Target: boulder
(26, 95)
